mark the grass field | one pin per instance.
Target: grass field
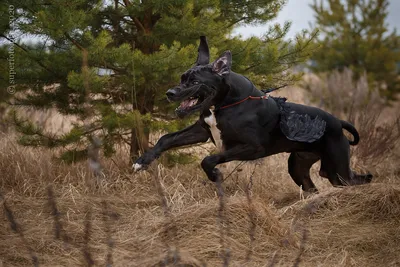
(136, 219)
(61, 215)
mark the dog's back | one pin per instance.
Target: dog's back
(331, 121)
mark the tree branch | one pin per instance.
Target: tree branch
(137, 22)
(28, 52)
(300, 49)
(237, 21)
(74, 42)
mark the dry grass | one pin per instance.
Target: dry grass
(64, 215)
(169, 217)
(338, 93)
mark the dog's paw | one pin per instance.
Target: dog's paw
(368, 177)
(143, 162)
(138, 167)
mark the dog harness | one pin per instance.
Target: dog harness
(247, 98)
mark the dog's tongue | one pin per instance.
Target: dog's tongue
(188, 103)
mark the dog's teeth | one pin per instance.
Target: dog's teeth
(193, 102)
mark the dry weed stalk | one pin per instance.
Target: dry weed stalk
(94, 157)
(251, 214)
(59, 231)
(95, 142)
(234, 169)
(301, 250)
(160, 191)
(225, 254)
(18, 230)
(170, 226)
(272, 262)
(88, 231)
(107, 216)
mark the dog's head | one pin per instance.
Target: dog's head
(203, 85)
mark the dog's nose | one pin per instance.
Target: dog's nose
(171, 93)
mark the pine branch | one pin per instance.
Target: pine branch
(29, 55)
(237, 21)
(34, 136)
(137, 22)
(73, 41)
(295, 51)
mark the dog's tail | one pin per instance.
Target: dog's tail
(351, 129)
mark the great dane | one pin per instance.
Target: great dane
(246, 124)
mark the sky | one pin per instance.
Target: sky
(301, 15)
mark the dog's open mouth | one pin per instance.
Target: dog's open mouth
(189, 103)
(192, 99)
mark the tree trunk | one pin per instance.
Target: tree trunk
(138, 144)
(139, 135)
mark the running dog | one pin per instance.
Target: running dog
(246, 124)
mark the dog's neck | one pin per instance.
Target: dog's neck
(238, 87)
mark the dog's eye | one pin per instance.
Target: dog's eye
(195, 82)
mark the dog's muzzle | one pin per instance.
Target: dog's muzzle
(171, 94)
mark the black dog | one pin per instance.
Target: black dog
(245, 124)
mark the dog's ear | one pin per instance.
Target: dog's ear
(203, 56)
(222, 65)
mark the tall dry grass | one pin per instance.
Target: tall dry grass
(338, 93)
(168, 217)
(377, 122)
(54, 214)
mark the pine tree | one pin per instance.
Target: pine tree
(142, 46)
(356, 36)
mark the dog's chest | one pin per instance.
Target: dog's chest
(216, 133)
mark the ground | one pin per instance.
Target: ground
(168, 217)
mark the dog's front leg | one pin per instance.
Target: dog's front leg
(239, 152)
(190, 135)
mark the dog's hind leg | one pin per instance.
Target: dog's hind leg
(335, 165)
(299, 165)
(335, 162)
